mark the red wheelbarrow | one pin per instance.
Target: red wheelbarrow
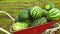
(37, 29)
(40, 29)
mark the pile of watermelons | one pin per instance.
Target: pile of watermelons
(36, 16)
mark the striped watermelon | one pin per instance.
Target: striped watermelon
(20, 26)
(53, 14)
(36, 12)
(39, 21)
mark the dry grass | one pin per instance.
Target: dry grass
(13, 8)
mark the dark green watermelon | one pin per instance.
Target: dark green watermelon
(22, 16)
(39, 21)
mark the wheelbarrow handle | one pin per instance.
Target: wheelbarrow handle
(8, 15)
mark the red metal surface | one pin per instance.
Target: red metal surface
(37, 30)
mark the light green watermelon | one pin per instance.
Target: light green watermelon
(20, 26)
(53, 14)
(36, 12)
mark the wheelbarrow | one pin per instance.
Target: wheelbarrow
(40, 29)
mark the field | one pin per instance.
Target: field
(14, 7)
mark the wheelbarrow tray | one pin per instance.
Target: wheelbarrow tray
(36, 29)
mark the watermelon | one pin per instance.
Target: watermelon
(36, 12)
(39, 21)
(20, 26)
(49, 6)
(22, 16)
(44, 12)
(53, 14)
